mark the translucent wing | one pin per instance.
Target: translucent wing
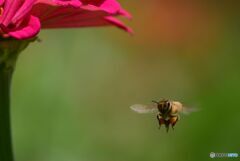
(139, 108)
(189, 110)
(178, 107)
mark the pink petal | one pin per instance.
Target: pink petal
(52, 16)
(74, 3)
(10, 8)
(125, 13)
(116, 22)
(72, 18)
(27, 30)
(91, 20)
(110, 6)
(1, 2)
(23, 10)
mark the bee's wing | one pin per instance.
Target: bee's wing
(177, 106)
(189, 110)
(140, 108)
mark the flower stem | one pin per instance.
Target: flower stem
(6, 152)
(9, 52)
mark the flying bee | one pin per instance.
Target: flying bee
(168, 112)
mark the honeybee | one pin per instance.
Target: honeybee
(168, 112)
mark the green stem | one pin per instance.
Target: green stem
(6, 152)
(9, 51)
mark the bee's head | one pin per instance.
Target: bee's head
(163, 106)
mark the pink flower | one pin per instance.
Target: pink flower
(23, 19)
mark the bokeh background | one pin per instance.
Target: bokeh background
(72, 91)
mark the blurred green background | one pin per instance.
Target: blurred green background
(72, 91)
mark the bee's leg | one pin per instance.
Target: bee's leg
(160, 120)
(167, 125)
(173, 120)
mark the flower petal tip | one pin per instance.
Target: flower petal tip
(125, 14)
(114, 21)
